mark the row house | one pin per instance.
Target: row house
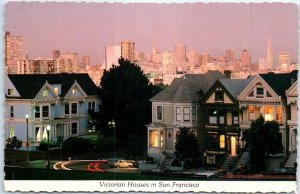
(221, 119)
(266, 95)
(175, 107)
(292, 95)
(59, 100)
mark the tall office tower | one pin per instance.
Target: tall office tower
(180, 51)
(269, 62)
(112, 55)
(193, 58)
(13, 52)
(85, 61)
(55, 54)
(68, 63)
(127, 50)
(156, 56)
(262, 64)
(168, 63)
(229, 56)
(203, 58)
(284, 61)
(245, 59)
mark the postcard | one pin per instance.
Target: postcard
(150, 97)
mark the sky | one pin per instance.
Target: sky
(87, 28)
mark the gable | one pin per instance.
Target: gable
(10, 89)
(46, 93)
(218, 94)
(292, 91)
(75, 92)
(258, 89)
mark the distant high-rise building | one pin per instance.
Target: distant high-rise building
(13, 52)
(112, 55)
(127, 50)
(229, 56)
(204, 58)
(193, 58)
(245, 59)
(269, 62)
(85, 61)
(168, 63)
(180, 51)
(68, 63)
(284, 61)
(55, 54)
(262, 64)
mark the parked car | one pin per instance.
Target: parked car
(162, 170)
(122, 164)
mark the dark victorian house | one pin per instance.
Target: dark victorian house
(221, 120)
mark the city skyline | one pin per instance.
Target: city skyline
(87, 28)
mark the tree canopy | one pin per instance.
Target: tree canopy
(186, 147)
(125, 92)
(263, 139)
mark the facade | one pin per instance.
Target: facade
(245, 60)
(284, 61)
(175, 107)
(292, 94)
(221, 119)
(59, 100)
(265, 96)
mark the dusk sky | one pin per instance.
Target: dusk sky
(87, 27)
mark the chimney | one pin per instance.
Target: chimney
(227, 73)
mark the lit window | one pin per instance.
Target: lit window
(37, 134)
(222, 141)
(56, 90)
(153, 138)
(73, 108)
(11, 111)
(279, 114)
(251, 113)
(178, 114)
(74, 129)
(268, 111)
(11, 132)
(161, 139)
(74, 91)
(169, 134)
(36, 112)
(159, 113)
(45, 93)
(194, 113)
(186, 114)
(45, 110)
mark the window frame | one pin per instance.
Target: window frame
(37, 112)
(74, 128)
(219, 96)
(194, 113)
(67, 109)
(159, 115)
(169, 135)
(92, 106)
(11, 112)
(73, 112)
(188, 113)
(43, 112)
(178, 113)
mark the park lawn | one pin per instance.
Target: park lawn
(44, 174)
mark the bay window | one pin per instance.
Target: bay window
(186, 114)
(153, 138)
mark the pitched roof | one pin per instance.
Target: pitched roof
(280, 82)
(235, 86)
(186, 88)
(28, 85)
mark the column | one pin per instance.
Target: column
(274, 112)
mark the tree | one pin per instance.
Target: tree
(76, 146)
(125, 92)
(13, 144)
(263, 139)
(186, 147)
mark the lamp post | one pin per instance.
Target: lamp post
(27, 143)
(48, 130)
(112, 125)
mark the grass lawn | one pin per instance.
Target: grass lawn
(44, 174)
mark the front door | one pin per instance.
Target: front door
(232, 145)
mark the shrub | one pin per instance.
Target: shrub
(176, 163)
(76, 146)
(44, 145)
(106, 144)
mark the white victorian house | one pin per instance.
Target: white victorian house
(266, 95)
(59, 100)
(292, 95)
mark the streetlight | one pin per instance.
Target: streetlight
(48, 130)
(27, 143)
(112, 125)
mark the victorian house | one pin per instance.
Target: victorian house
(266, 95)
(176, 107)
(220, 108)
(61, 101)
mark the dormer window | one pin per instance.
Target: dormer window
(45, 93)
(10, 91)
(74, 91)
(56, 91)
(259, 91)
(219, 96)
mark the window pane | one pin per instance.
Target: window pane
(221, 119)
(213, 120)
(74, 108)
(74, 128)
(194, 113)
(67, 109)
(219, 96)
(186, 114)
(37, 112)
(279, 114)
(178, 114)
(45, 110)
(222, 141)
(11, 112)
(153, 138)
(159, 112)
